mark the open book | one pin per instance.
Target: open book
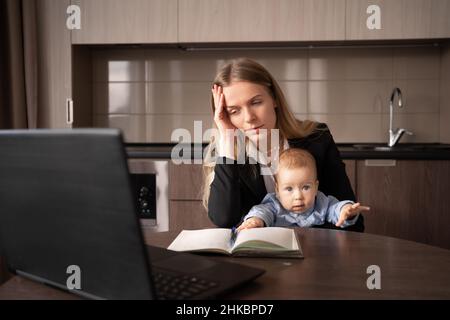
(260, 242)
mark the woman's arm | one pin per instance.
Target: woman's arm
(224, 204)
(236, 188)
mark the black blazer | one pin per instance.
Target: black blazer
(236, 188)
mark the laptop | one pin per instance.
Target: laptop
(68, 219)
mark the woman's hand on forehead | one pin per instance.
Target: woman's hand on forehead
(221, 117)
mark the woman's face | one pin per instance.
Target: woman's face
(250, 106)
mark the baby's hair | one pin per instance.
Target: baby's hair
(294, 158)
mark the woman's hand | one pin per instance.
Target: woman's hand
(349, 211)
(221, 117)
(250, 223)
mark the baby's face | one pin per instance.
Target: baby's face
(297, 188)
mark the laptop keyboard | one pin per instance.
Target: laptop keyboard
(179, 287)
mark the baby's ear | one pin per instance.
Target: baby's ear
(276, 188)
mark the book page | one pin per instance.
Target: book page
(283, 238)
(215, 239)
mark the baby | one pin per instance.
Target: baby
(298, 201)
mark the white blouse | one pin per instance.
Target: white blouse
(269, 180)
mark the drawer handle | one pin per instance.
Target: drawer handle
(69, 111)
(380, 163)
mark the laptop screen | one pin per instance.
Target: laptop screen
(66, 209)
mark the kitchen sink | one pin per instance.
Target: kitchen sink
(417, 147)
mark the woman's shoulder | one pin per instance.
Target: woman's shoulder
(318, 143)
(322, 126)
(321, 134)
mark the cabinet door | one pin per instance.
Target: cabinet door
(399, 19)
(185, 181)
(55, 64)
(188, 215)
(440, 22)
(408, 199)
(261, 20)
(130, 21)
(350, 169)
(185, 194)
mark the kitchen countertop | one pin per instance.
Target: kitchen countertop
(406, 151)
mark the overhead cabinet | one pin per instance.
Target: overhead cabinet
(130, 21)
(440, 19)
(203, 21)
(397, 19)
(261, 20)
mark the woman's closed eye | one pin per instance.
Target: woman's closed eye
(232, 111)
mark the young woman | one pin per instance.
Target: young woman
(246, 97)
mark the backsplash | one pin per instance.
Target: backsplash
(148, 93)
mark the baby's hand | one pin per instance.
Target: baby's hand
(349, 211)
(252, 222)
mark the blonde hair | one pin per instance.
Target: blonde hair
(295, 158)
(244, 69)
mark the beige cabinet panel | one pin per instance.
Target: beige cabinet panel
(261, 20)
(130, 21)
(54, 63)
(399, 19)
(440, 22)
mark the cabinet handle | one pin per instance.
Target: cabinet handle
(380, 163)
(69, 111)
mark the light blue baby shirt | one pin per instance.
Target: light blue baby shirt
(325, 209)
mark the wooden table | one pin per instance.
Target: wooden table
(335, 267)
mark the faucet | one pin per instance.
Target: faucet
(394, 136)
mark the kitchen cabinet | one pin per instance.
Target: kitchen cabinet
(188, 214)
(185, 181)
(408, 199)
(350, 169)
(440, 22)
(185, 198)
(54, 63)
(64, 97)
(399, 19)
(131, 21)
(261, 20)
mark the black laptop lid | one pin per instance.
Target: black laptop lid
(65, 199)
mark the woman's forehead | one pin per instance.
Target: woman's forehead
(242, 91)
